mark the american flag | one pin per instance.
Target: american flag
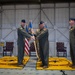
(27, 46)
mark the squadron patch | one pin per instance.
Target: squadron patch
(21, 28)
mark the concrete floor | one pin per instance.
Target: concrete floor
(30, 69)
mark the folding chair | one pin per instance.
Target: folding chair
(61, 48)
(8, 49)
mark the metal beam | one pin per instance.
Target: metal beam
(6, 2)
(47, 18)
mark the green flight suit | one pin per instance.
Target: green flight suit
(22, 34)
(72, 44)
(42, 37)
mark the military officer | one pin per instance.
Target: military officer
(22, 34)
(72, 40)
(42, 37)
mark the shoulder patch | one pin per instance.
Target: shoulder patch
(45, 29)
(72, 29)
(20, 27)
(37, 30)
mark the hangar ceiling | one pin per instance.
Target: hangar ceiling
(4, 2)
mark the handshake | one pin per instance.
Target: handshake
(32, 37)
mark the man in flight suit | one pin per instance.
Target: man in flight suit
(72, 40)
(42, 37)
(22, 34)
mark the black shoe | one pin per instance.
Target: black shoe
(45, 66)
(21, 65)
(73, 66)
(41, 65)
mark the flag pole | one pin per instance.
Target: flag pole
(35, 44)
(32, 32)
(36, 49)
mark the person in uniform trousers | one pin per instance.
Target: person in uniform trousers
(22, 34)
(42, 37)
(37, 43)
(72, 40)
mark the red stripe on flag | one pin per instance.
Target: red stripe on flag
(26, 49)
(26, 42)
(27, 53)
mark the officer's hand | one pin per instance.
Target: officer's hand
(36, 38)
(32, 31)
(32, 37)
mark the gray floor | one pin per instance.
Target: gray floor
(30, 69)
